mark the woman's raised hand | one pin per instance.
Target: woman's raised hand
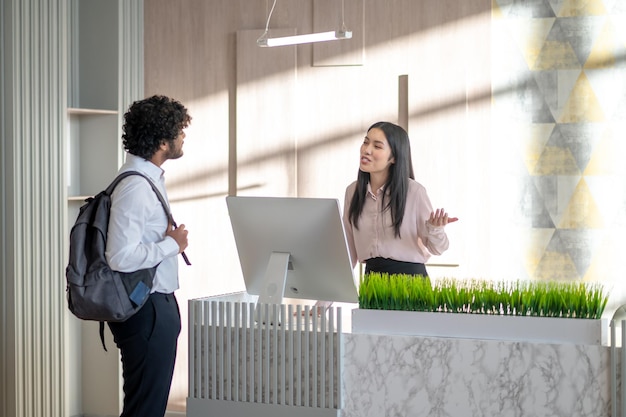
(440, 218)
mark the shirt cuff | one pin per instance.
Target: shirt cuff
(434, 230)
(169, 247)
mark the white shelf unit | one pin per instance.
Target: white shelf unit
(104, 47)
(94, 115)
(93, 151)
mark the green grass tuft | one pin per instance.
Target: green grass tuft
(520, 298)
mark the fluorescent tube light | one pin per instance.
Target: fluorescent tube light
(308, 38)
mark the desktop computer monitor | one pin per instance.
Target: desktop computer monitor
(292, 247)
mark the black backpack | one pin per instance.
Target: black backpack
(94, 291)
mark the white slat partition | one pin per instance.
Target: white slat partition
(32, 217)
(264, 356)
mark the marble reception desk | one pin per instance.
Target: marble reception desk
(372, 374)
(386, 375)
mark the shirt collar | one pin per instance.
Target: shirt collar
(138, 163)
(371, 193)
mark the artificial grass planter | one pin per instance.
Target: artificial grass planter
(517, 298)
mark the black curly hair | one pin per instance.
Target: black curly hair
(150, 122)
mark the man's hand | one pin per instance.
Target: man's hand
(179, 235)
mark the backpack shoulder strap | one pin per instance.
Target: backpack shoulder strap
(120, 177)
(125, 174)
(102, 336)
(166, 207)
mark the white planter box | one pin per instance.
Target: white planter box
(481, 326)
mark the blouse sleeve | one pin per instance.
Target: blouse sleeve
(434, 238)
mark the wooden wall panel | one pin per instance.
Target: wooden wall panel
(275, 121)
(335, 15)
(266, 116)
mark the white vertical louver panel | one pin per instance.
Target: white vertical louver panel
(35, 74)
(131, 85)
(265, 354)
(35, 297)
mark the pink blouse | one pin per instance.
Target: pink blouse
(375, 236)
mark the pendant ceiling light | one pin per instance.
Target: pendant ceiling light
(266, 41)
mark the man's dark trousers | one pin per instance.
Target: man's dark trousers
(147, 342)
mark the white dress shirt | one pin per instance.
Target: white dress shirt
(137, 225)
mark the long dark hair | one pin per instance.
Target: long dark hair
(397, 182)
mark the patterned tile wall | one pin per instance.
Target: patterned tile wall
(559, 97)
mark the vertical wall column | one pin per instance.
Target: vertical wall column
(403, 101)
(32, 210)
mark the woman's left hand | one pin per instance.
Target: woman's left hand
(440, 218)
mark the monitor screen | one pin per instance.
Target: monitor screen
(292, 247)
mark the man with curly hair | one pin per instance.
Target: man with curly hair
(140, 236)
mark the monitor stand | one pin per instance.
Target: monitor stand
(273, 288)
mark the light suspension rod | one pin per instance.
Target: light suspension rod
(266, 41)
(308, 38)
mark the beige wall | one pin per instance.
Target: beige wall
(289, 121)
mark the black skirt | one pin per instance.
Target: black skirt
(391, 266)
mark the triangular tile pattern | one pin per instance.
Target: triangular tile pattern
(555, 54)
(535, 245)
(554, 194)
(535, 9)
(602, 53)
(532, 145)
(570, 101)
(579, 138)
(555, 265)
(578, 244)
(609, 201)
(582, 8)
(548, 81)
(609, 86)
(530, 35)
(607, 157)
(532, 210)
(581, 33)
(555, 160)
(496, 13)
(582, 211)
(530, 102)
(556, 6)
(582, 105)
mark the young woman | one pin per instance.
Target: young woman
(390, 223)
